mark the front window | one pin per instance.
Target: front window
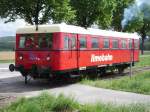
(26, 41)
(36, 41)
(22, 41)
(45, 41)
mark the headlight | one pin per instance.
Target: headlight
(20, 57)
(48, 58)
(38, 59)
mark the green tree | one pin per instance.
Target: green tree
(93, 11)
(140, 23)
(118, 13)
(36, 11)
(62, 12)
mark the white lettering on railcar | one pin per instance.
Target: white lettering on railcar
(100, 58)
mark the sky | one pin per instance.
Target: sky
(9, 29)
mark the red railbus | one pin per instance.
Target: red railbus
(65, 49)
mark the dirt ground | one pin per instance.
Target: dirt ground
(7, 100)
(7, 55)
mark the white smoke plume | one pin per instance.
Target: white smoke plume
(133, 11)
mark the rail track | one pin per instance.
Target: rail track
(108, 75)
(135, 70)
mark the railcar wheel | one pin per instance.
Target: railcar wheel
(120, 70)
(102, 71)
(11, 67)
(73, 77)
(68, 78)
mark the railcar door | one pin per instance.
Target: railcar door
(81, 52)
(72, 55)
(75, 45)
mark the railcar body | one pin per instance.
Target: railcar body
(58, 49)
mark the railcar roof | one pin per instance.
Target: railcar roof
(74, 29)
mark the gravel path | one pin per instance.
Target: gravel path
(12, 86)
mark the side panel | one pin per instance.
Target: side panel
(95, 58)
(74, 59)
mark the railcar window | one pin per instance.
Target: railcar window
(130, 44)
(123, 44)
(66, 42)
(73, 42)
(82, 42)
(106, 43)
(94, 42)
(69, 42)
(136, 44)
(115, 44)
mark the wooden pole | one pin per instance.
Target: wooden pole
(130, 69)
(131, 57)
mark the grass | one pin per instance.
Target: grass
(49, 103)
(143, 61)
(43, 103)
(146, 52)
(139, 83)
(7, 61)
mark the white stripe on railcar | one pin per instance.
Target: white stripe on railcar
(74, 29)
